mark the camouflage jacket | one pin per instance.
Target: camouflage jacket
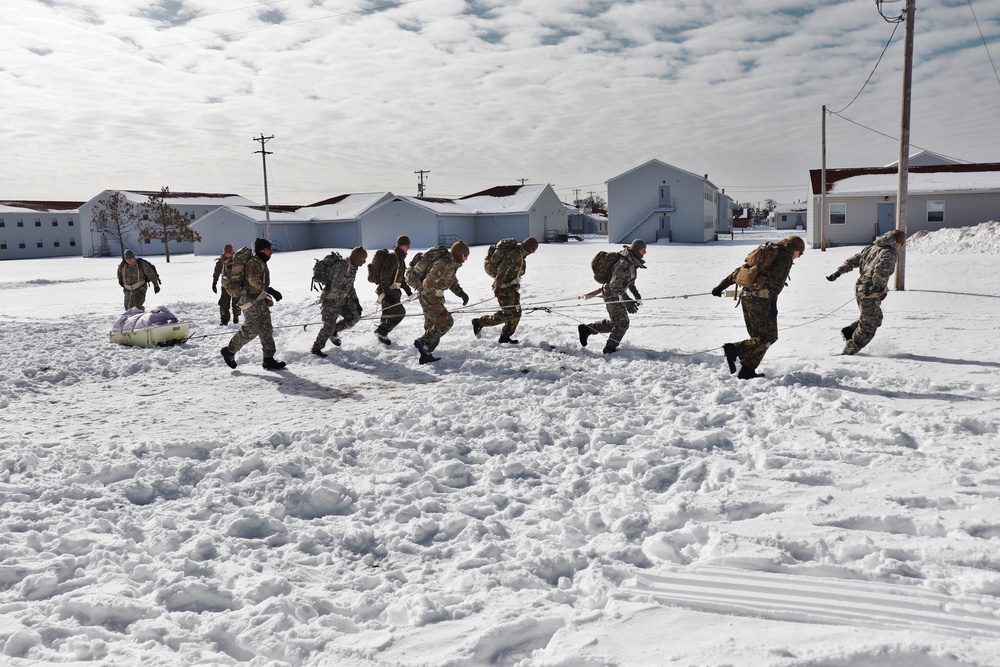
(341, 287)
(512, 266)
(623, 275)
(441, 275)
(393, 269)
(220, 264)
(136, 275)
(258, 278)
(877, 263)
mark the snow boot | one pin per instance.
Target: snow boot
(477, 327)
(425, 355)
(610, 347)
(585, 333)
(848, 333)
(229, 357)
(382, 338)
(272, 364)
(335, 339)
(731, 355)
(749, 373)
(318, 352)
(507, 339)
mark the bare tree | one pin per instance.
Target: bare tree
(592, 203)
(770, 205)
(115, 217)
(164, 222)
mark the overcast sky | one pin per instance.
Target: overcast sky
(359, 95)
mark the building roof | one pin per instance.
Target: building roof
(703, 177)
(982, 177)
(13, 206)
(185, 198)
(503, 199)
(924, 159)
(343, 207)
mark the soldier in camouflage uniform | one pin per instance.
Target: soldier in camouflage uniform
(256, 304)
(390, 282)
(441, 276)
(340, 299)
(506, 287)
(226, 302)
(133, 275)
(616, 300)
(760, 310)
(877, 263)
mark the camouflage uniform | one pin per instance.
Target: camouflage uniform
(226, 302)
(441, 276)
(340, 299)
(256, 306)
(389, 290)
(877, 263)
(133, 278)
(506, 287)
(614, 293)
(760, 309)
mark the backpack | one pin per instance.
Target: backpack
(421, 262)
(496, 254)
(323, 272)
(753, 273)
(234, 273)
(603, 265)
(375, 266)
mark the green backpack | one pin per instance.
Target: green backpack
(496, 254)
(421, 263)
(323, 271)
(753, 273)
(234, 273)
(603, 265)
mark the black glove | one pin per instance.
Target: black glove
(717, 291)
(635, 293)
(273, 292)
(465, 298)
(357, 304)
(215, 289)
(832, 277)
(156, 288)
(632, 307)
(406, 288)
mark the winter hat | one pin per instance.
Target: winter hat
(261, 244)
(796, 243)
(899, 235)
(637, 245)
(460, 250)
(403, 240)
(358, 256)
(530, 244)
(129, 254)
(227, 249)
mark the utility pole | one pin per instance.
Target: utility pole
(420, 185)
(822, 192)
(522, 180)
(263, 155)
(904, 143)
(576, 197)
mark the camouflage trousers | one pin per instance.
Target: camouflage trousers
(256, 323)
(509, 314)
(349, 312)
(393, 312)
(617, 322)
(437, 320)
(227, 304)
(761, 318)
(868, 322)
(135, 298)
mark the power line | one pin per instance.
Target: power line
(984, 42)
(889, 136)
(873, 69)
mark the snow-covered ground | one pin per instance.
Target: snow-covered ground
(540, 504)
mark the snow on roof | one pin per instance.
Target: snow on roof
(919, 183)
(343, 207)
(189, 198)
(277, 214)
(504, 199)
(925, 158)
(30, 206)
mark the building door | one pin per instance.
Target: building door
(663, 232)
(886, 218)
(664, 196)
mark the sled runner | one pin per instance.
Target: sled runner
(148, 329)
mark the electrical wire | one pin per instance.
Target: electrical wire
(865, 85)
(984, 42)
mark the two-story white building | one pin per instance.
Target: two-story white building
(30, 229)
(657, 201)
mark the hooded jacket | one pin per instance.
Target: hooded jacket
(877, 263)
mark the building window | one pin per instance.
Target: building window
(55, 222)
(2, 223)
(838, 214)
(70, 222)
(40, 244)
(72, 243)
(20, 222)
(3, 245)
(935, 211)
(38, 222)
(55, 244)
(147, 241)
(21, 245)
